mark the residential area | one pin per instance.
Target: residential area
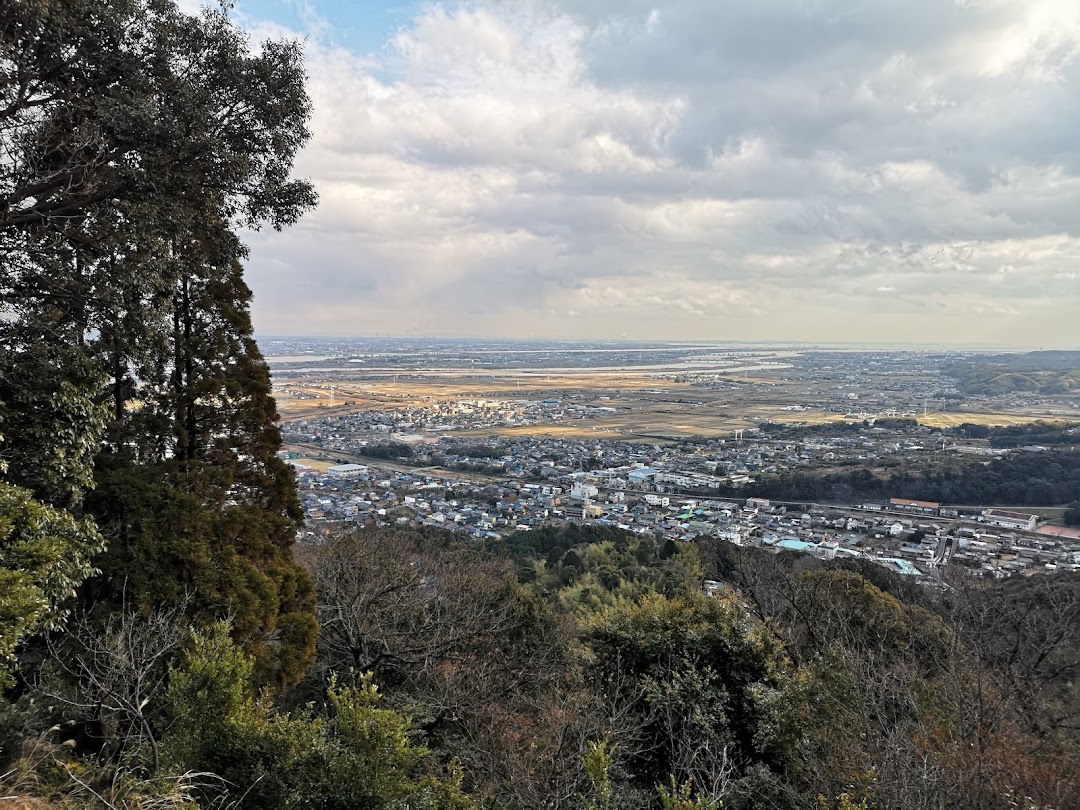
(667, 490)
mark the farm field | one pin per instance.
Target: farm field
(650, 403)
(946, 420)
(646, 406)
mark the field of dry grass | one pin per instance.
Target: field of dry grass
(318, 464)
(641, 421)
(298, 400)
(646, 406)
(946, 420)
(574, 431)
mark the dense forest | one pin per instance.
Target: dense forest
(165, 644)
(1048, 476)
(1022, 479)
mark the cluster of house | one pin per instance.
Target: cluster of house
(671, 468)
(919, 537)
(438, 415)
(909, 537)
(858, 384)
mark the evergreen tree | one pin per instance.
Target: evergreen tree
(139, 139)
(710, 688)
(203, 508)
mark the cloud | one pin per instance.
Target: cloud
(700, 170)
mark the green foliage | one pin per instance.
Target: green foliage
(1030, 479)
(173, 546)
(44, 556)
(589, 568)
(388, 450)
(50, 415)
(707, 682)
(838, 607)
(682, 797)
(115, 103)
(345, 753)
(139, 138)
(597, 762)
(1072, 514)
(842, 696)
(550, 539)
(209, 689)
(372, 757)
(1040, 432)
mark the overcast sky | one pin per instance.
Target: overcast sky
(818, 170)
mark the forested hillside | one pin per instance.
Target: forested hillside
(164, 644)
(1047, 476)
(1046, 372)
(1024, 479)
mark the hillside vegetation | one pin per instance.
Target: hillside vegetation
(1024, 479)
(1049, 476)
(576, 667)
(1046, 372)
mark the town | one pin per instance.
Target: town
(387, 477)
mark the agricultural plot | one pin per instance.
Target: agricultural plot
(643, 404)
(947, 420)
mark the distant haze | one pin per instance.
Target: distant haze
(693, 169)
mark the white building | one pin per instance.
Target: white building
(347, 470)
(580, 491)
(1011, 520)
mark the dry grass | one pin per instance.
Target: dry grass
(508, 385)
(647, 406)
(945, 420)
(659, 420)
(317, 464)
(806, 417)
(576, 431)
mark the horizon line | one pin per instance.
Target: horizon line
(973, 346)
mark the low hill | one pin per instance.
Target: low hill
(1045, 372)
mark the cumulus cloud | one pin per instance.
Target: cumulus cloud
(691, 169)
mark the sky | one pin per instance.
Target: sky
(790, 170)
